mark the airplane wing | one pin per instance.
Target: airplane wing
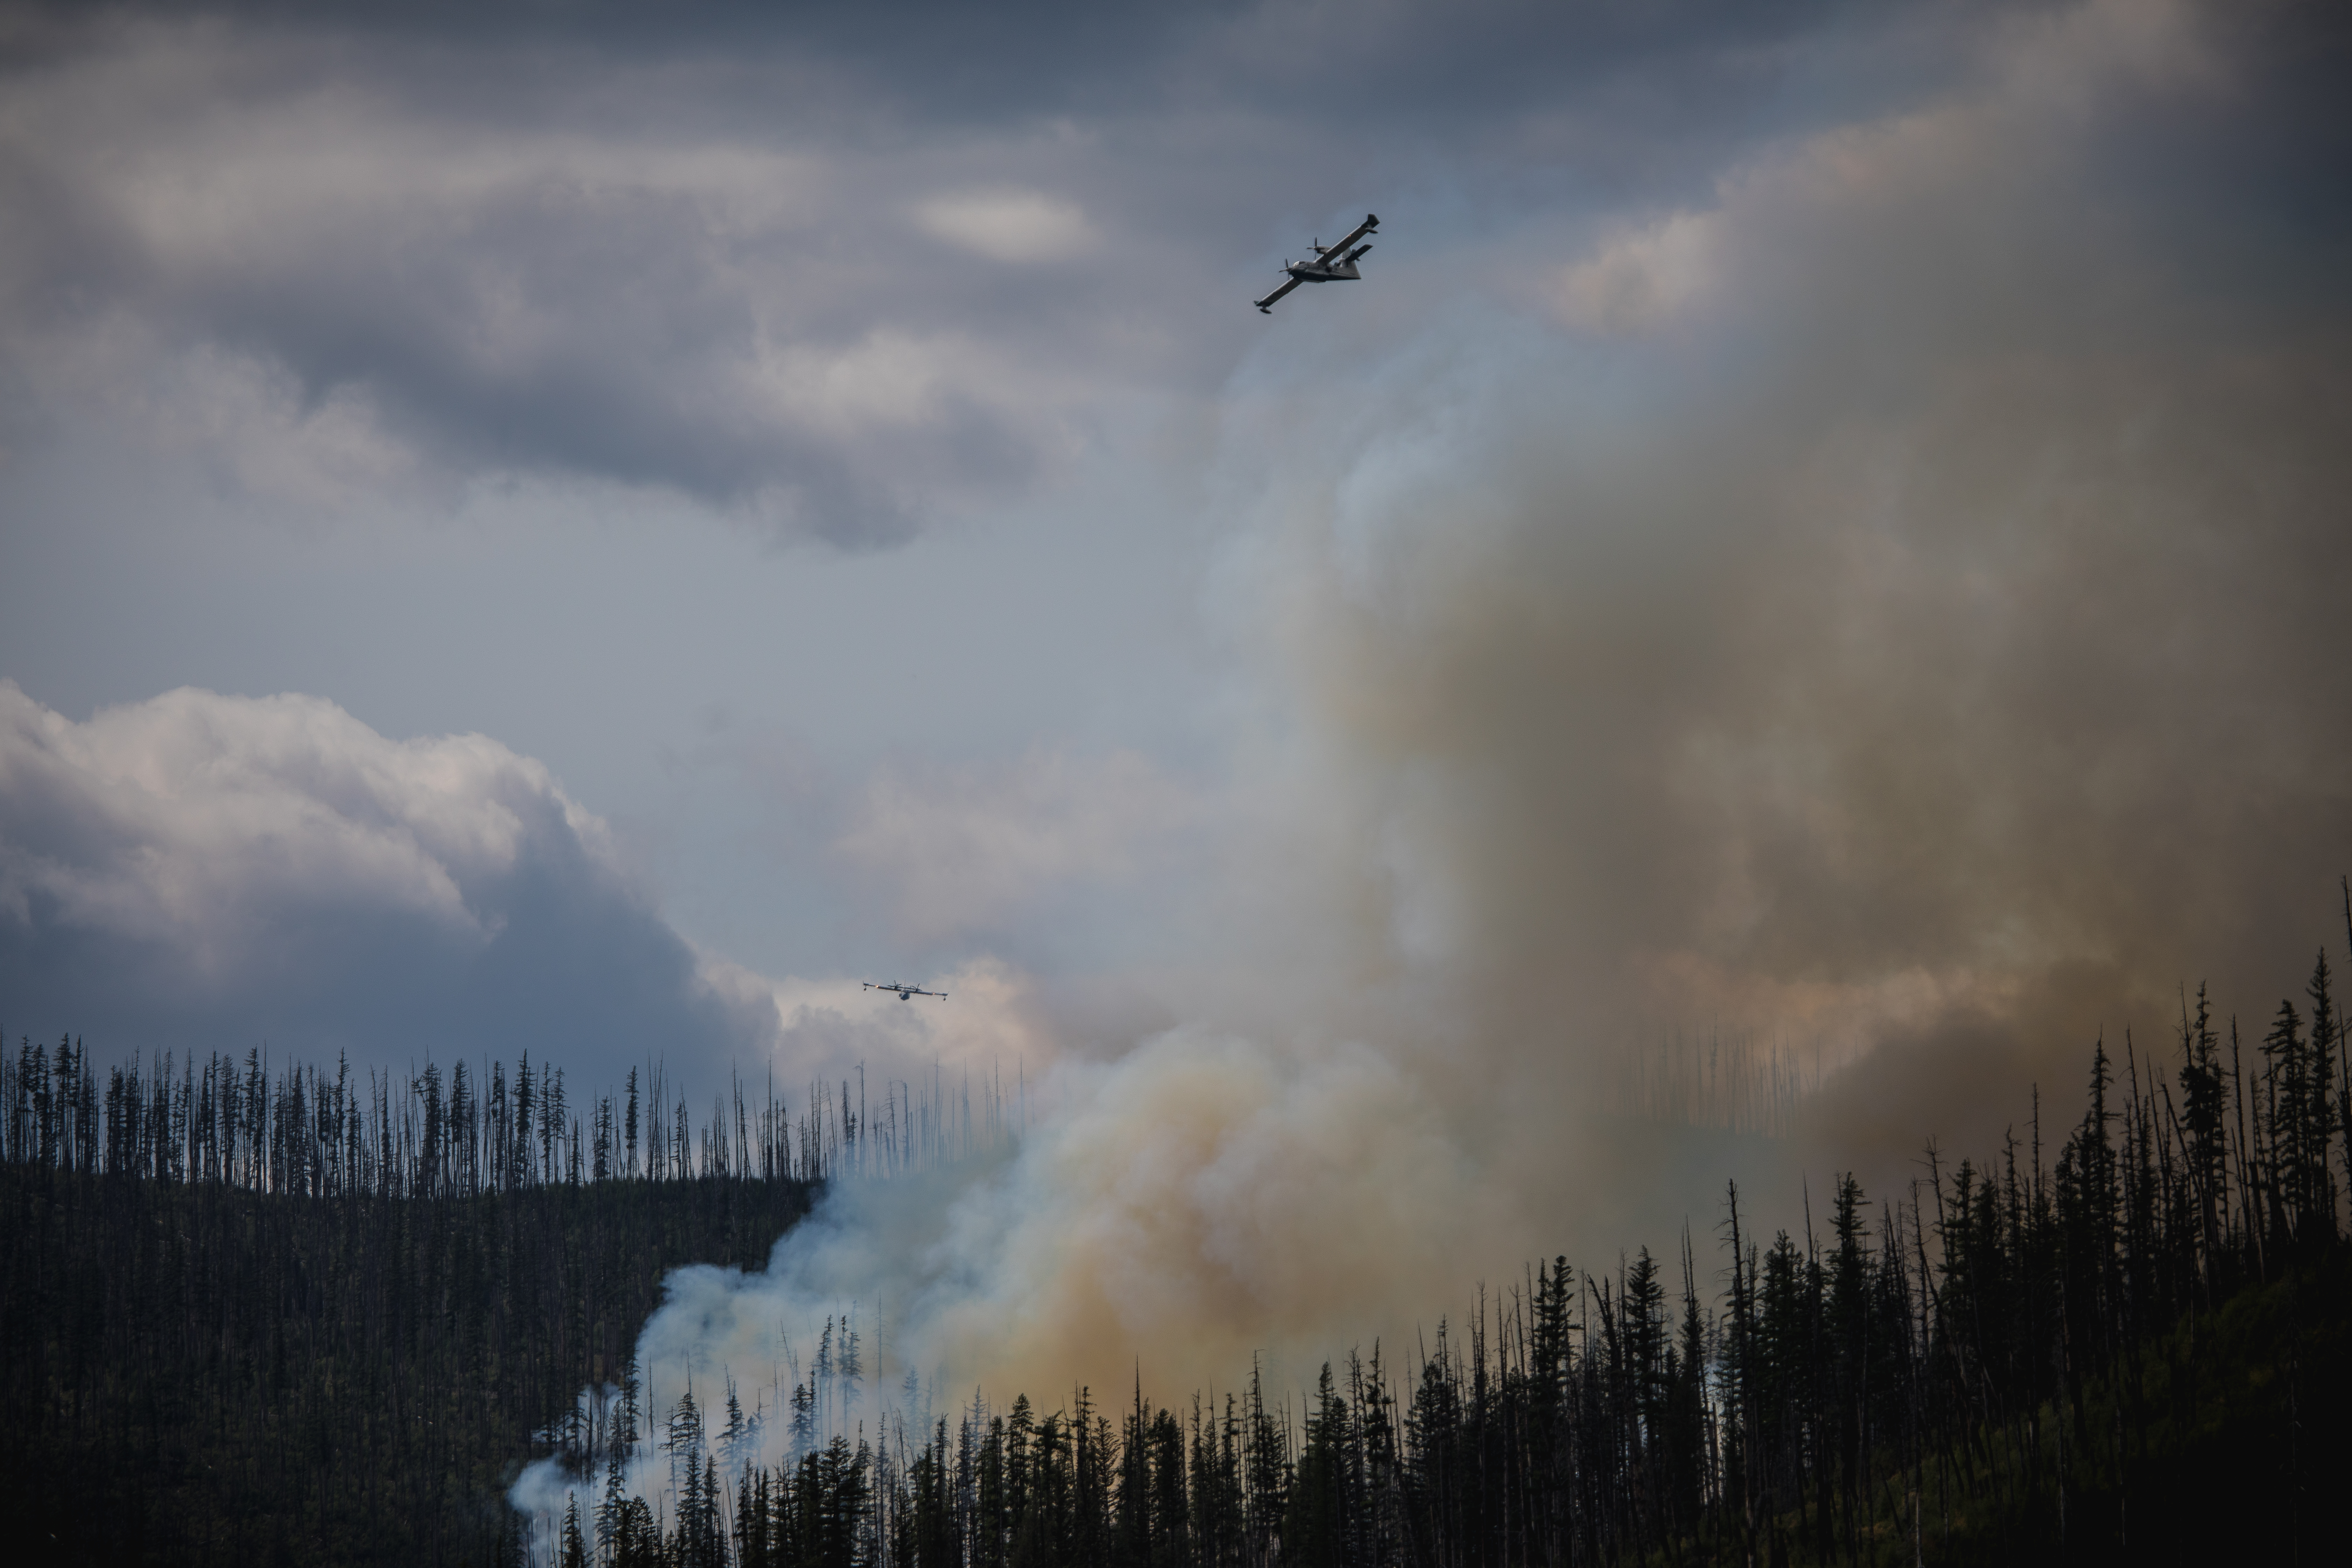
(1266, 304)
(1372, 221)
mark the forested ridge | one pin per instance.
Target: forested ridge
(2123, 1336)
(305, 1316)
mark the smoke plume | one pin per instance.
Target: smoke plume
(1885, 618)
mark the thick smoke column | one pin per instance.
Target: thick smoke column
(1159, 1213)
(1907, 597)
(1893, 608)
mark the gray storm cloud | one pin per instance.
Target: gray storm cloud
(834, 275)
(334, 267)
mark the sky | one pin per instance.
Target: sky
(1821, 534)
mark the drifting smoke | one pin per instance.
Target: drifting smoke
(1892, 611)
(1909, 597)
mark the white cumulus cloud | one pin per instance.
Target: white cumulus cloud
(200, 870)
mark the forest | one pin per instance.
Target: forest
(293, 1317)
(297, 1315)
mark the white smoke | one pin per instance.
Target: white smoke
(1883, 607)
(1200, 1201)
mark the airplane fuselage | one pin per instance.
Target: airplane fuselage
(1324, 271)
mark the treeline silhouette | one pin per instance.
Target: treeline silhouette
(302, 1316)
(2129, 1344)
(463, 1135)
(254, 1318)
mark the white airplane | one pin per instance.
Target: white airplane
(904, 991)
(1333, 264)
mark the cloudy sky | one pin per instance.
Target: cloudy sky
(536, 526)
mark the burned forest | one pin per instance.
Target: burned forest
(286, 1316)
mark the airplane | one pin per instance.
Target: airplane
(904, 991)
(1336, 264)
